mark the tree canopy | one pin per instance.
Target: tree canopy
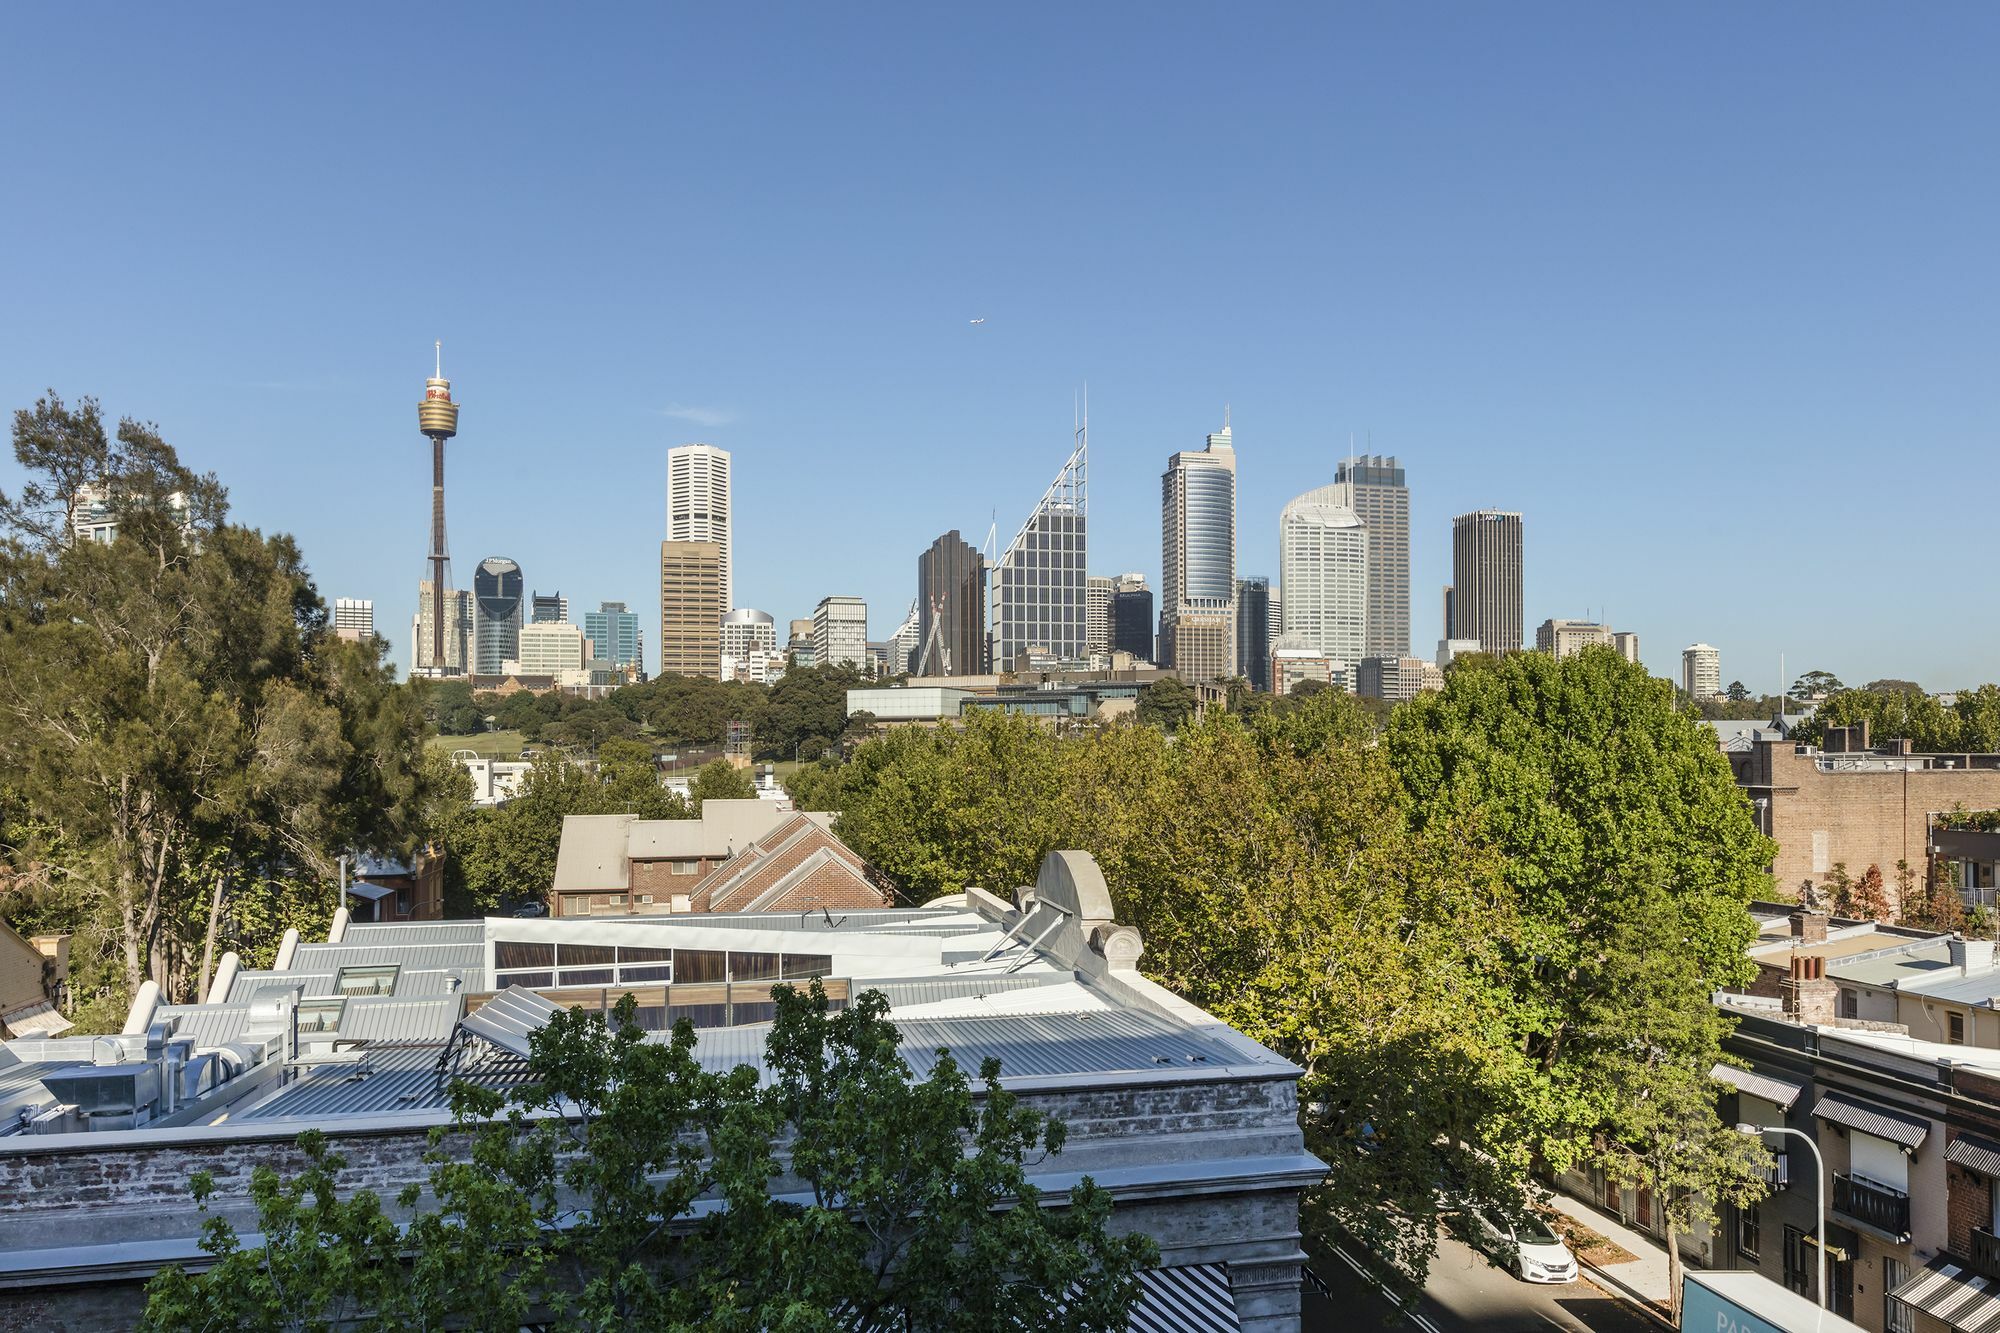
(179, 726)
(573, 1204)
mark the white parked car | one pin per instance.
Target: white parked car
(1534, 1252)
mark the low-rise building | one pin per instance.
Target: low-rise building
(1190, 1127)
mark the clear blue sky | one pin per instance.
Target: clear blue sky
(1707, 292)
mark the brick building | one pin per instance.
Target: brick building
(740, 856)
(1852, 805)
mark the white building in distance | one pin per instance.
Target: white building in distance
(698, 502)
(840, 632)
(1323, 569)
(1701, 671)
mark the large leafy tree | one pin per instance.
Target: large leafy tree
(1624, 841)
(174, 713)
(574, 1204)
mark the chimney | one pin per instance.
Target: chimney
(1807, 995)
(1970, 956)
(1809, 927)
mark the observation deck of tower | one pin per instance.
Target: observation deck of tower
(437, 417)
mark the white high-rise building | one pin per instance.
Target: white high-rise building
(1701, 671)
(353, 618)
(1198, 560)
(840, 632)
(698, 502)
(1097, 613)
(1323, 570)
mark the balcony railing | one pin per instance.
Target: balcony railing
(1878, 1206)
(1985, 1253)
(1779, 1173)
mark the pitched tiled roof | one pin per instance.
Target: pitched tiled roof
(796, 866)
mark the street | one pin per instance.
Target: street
(1465, 1294)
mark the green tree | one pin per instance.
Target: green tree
(577, 1200)
(1737, 692)
(1816, 685)
(1891, 685)
(1621, 829)
(806, 712)
(720, 780)
(449, 708)
(1166, 703)
(175, 714)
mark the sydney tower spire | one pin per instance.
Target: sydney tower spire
(437, 417)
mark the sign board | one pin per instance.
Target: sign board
(1745, 1302)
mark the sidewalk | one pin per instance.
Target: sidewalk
(1643, 1280)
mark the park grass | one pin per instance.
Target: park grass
(487, 744)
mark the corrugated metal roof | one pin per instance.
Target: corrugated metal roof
(331, 957)
(1854, 1113)
(389, 1019)
(936, 990)
(409, 983)
(1758, 1085)
(399, 1078)
(416, 932)
(1948, 1291)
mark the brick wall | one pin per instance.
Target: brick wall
(1968, 1204)
(1868, 818)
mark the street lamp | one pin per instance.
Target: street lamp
(1819, 1182)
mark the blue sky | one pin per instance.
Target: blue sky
(1707, 292)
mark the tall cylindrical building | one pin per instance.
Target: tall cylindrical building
(496, 598)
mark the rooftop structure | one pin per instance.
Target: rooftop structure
(1191, 1127)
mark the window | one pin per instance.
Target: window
(367, 980)
(523, 953)
(585, 955)
(1896, 1316)
(801, 966)
(1954, 1028)
(753, 967)
(684, 867)
(1850, 1003)
(576, 905)
(320, 1015)
(1798, 1264)
(1749, 1231)
(535, 979)
(693, 965)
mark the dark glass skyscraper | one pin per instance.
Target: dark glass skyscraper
(1132, 618)
(496, 598)
(951, 609)
(1486, 580)
(1253, 632)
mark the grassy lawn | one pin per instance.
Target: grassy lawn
(487, 744)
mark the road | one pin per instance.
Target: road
(1465, 1294)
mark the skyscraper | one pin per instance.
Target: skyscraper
(698, 505)
(840, 632)
(951, 609)
(496, 598)
(614, 635)
(1701, 671)
(1379, 497)
(1198, 560)
(353, 618)
(1323, 569)
(1627, 645)
(691, 609)
(1097, 613)
(1486, 580)
(1038, 592)
(431, 654)
(1132, 617)
(1253, 632)
(548, 608)
(455, 635)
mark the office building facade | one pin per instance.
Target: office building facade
(840, 632)
(691, 609)
(1701, 670)
(548, 608)
(1323, 569)
(496, 600)
(458, 617)
(1097, 613)
(1626, 645)
(1486, 580)
(1564, 638)
(698, 505)
(951, 609)
(1132, 617)
(1038, 588)
(1253, 632)
(1198, 560)
(552, 648)
(354, 618)
(614, 636)
(747, 632)
(799, 642)
(1396, 679)
(1380, 497)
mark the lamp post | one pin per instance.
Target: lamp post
(1819, 1197)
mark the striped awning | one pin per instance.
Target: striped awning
(1949, 1291)
(1758, 1085)
(1975, 1154)
(1194, 1298)
(1907, 1130)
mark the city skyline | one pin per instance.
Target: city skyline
(1575, 291)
